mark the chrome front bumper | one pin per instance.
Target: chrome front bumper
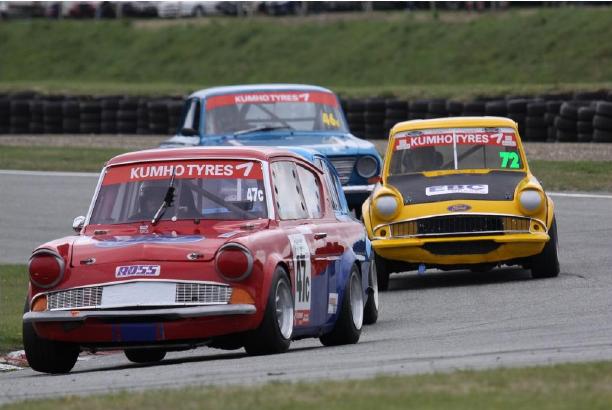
(167, 313)
(358, 189)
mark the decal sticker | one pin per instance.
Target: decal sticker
(303, 277)
(464, 136)
(330, 120)
(316, 97)
(255, 194)
(210, 169)
(143, 229)
(332, 305)
(137, 270)
(124, 241)
(509, 160)
(459, 208)
(456, 189)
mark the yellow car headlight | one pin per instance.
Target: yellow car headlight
(531, 201)
(386, 206)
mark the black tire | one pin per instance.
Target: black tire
(454, 108)
(586, 113)
(536, 108)
(553, 107)
(565, 124)
(268, 337)
(370, 311)
(604, 108)
(535, 122)
(347, 328)
(584, 126)
(602, 136)
(498, 108)
(145, 355)
(584, 137)
(566, 136)
(419, 106)
(517, 106)
(546, 263)
(396, 105)
(602, 123)
(48, 356)
(382, 272)
(536, 134)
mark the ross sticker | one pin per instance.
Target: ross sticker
(303, 277)
(456, 189)
(137, 270)
(332, 305)
(124, 241)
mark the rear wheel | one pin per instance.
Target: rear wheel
(347, 328)
(370, 311)
(274, 333)
(145, 355)
(546, 263)
(382, 272)
(48, 356)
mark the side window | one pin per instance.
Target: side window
(312, 191)
(191, 117)
(288, 192)
(329, 183)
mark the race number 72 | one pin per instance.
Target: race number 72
(509, 160)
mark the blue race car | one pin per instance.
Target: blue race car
(281, 114)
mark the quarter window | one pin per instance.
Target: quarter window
(312, 192)
(288, 191)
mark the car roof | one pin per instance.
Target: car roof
(206, 92)
(162, 154)
(451, 122)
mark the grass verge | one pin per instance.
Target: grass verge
(13, 288)
(573, 175)
(568, 386)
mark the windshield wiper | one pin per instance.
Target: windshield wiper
(168, 199)
(263, 128)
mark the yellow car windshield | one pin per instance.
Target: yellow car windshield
(455, 149)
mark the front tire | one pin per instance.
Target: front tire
(274, 333)
(145, 355)
(370, 311)
(546, 263)
(347, 328)
(382, 272)
(48, 356)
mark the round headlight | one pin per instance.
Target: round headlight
(530, 200)
(386, 206)
(46, 268)
(367, 166)
(234, 262)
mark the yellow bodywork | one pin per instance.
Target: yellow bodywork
(395, 237)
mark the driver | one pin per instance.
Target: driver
(422, 159)
(150, 197)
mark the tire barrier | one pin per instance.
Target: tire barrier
(563, 117)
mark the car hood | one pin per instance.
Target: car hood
(492, 186)
(149, 247)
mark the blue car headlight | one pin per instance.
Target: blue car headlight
(366, 166)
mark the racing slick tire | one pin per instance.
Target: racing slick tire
(349, 322)
(546, 263)
(48, 356)
(382, 272)
(274, 333)
(370, 311)
(145, 355)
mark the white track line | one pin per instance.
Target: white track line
(579, 195)
(49, 173)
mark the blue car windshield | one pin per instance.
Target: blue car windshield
(288, 110)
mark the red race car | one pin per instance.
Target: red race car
(225, 247)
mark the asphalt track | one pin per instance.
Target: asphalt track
(431, 322)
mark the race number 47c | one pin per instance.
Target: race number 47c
(302, 268)
(509, 160)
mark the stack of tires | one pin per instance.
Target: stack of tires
(517, 110)
(52, 115)
(497, 108)
(71, 116)
(127, 116)
(91, 117)
(454, 108)
(157, 111)
(418, 109)
(552, 111)
(567, 121)
(354, 111)
(19, 116)
(109, 106)
(437, 109)
(142, 117)
(602, 122)
(375, 118)
(536, 128)
(584, 126)
(473, 108)
(5, 114)
(396, 111)
(175, 109)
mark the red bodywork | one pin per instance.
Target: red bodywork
(89, 264)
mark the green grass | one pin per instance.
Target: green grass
(411, 54)
(570, 386)
(42, 158)
(13, 289)
(573, 175)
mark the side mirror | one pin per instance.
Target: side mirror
(188, 131)
(78, 223)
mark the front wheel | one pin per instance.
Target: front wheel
(145, 355)
(382, 272)
(274, 333)
(347, 328)
(370, 311)
(546, 263)
(48, 356)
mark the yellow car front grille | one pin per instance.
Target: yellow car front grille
(460, 225)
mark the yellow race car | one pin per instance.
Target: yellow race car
(457, 193)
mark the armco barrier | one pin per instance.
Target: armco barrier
(566, 117)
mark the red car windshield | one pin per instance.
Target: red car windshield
(455, 149)
(203, 189)
(293, 110)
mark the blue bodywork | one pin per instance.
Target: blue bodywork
(339, 146)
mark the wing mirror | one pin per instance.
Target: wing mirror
(78, 223)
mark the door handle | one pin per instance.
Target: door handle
(320, 235)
